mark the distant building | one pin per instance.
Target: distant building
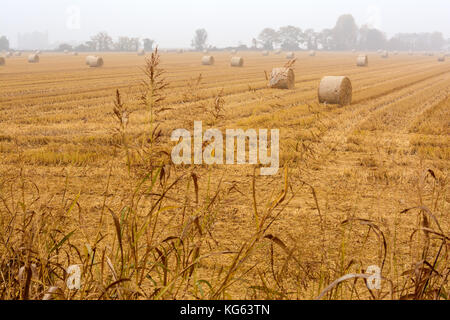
(32, 41)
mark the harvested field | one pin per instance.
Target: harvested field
(62, 144)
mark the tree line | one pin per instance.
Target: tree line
(346, 35)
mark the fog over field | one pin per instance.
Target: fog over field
(171, 23)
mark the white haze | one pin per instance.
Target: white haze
(228, 22)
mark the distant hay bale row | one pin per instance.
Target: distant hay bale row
(2, 61)
(290, 55)
(237, 62)
(208, 60)
(33, 58)
(362, 60)
(94, 61)
(282, 78)
(335, 90)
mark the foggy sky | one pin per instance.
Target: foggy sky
(172, 22)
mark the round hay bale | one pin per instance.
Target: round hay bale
(282, 78)
(395, 53)
(354, 50)
(335, 90)
(312, 53)
(66, 51)
(208, 60)
(205, 51)
(385, 54)
(8, 54)
(94, 61)
(441, 58)
(362, 60)
(38, 52)
(141, 52)
(74, 53)
(278, 51)
(290, 55)
(180, 51)
(33, 58)
(18, 53)
(237, 62)
(410, 52)
(265, 53)
(234, 51)
(2, 61)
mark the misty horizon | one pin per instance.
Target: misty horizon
(174, 23)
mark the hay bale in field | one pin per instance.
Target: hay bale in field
(395, 53)
(441, 58)
(282, 78)
(74, 53)
(385, 54)
(18, 53)
(208, 60)
(312, 53)
(141, 52)
(33, 58)
(94, 61)
(234, 51)
(410, 52)
(2, 61)
(66, 51)
(265, 53)
(335, 90)
(205, 51)
(8, 54)
(237, 62)
(362, 60)
(354, 50)
(290, 55)
(38, 52)
(278, 51)
(180, 51)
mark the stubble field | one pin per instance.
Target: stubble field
(76, 187)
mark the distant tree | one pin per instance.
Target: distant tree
(311, 38)
(437, 41)
(325, 40)
(103, 42)
(82, 48)
(64, 46)
(4, 43)
(371, 39)
(254, 44)
(345, 33)
(290, 37)
(126, 44)
(200, 38)
(148, 44)
(268, 38)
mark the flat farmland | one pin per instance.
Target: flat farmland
(77, 187)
